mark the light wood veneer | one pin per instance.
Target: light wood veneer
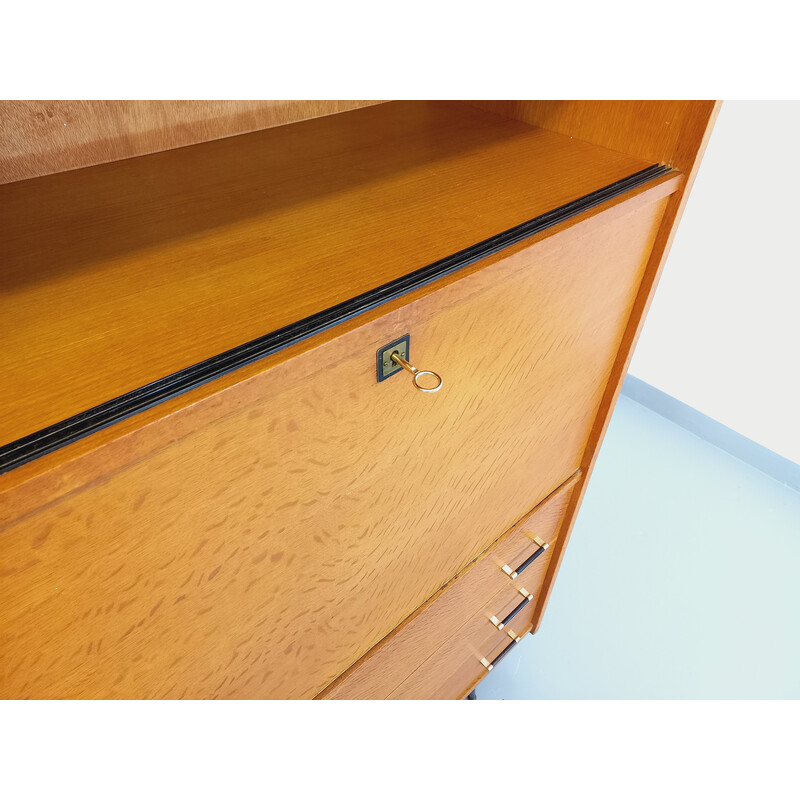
(263, 554)
(129, 258)
(477, 593)
(41, 137)
(294, 528)
(457, 666)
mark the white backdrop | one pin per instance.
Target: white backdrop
(723, 332)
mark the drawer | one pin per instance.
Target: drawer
(514, 606)
(482, 591)
(461, 662)
(263, 553)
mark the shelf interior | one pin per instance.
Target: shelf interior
(118, 275)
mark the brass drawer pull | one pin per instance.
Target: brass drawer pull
(500, 624)
(490, 667)
(525, 564)
(418, 373)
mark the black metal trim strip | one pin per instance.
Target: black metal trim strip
(94, 419)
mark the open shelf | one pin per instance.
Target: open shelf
(117, 276)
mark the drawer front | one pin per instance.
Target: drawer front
(482, 589)
(263, 554)
(462, 661)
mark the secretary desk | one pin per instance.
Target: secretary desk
(300, 399)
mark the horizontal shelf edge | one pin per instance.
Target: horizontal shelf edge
(70, 430)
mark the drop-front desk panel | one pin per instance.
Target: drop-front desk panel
(211, 493)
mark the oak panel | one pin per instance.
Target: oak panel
(691, 124)
(147, 266)
(79, 465)
(263, 554)
(482, 587)
(661, 131)
(40, 137)
(456, 668)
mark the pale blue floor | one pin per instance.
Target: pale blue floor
(681, 579)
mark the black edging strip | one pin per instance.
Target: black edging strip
(87, 422)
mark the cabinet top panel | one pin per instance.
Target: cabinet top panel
(116, 276)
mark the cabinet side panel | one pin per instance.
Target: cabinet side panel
(662, 131)
(688, 150)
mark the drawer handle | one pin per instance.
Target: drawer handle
(501, 626)
(490, 667)
(525, 564)
(501, 623)
(418, 373)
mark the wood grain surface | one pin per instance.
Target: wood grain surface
(263, 554)
(455, 668)
(41, 137)
(121, 274)
(482, 587)
(690, 125)
(96, 457)
(660, 131)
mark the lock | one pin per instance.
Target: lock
(387, 367)
(393, 358)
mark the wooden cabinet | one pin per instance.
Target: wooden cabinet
(207, 491)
